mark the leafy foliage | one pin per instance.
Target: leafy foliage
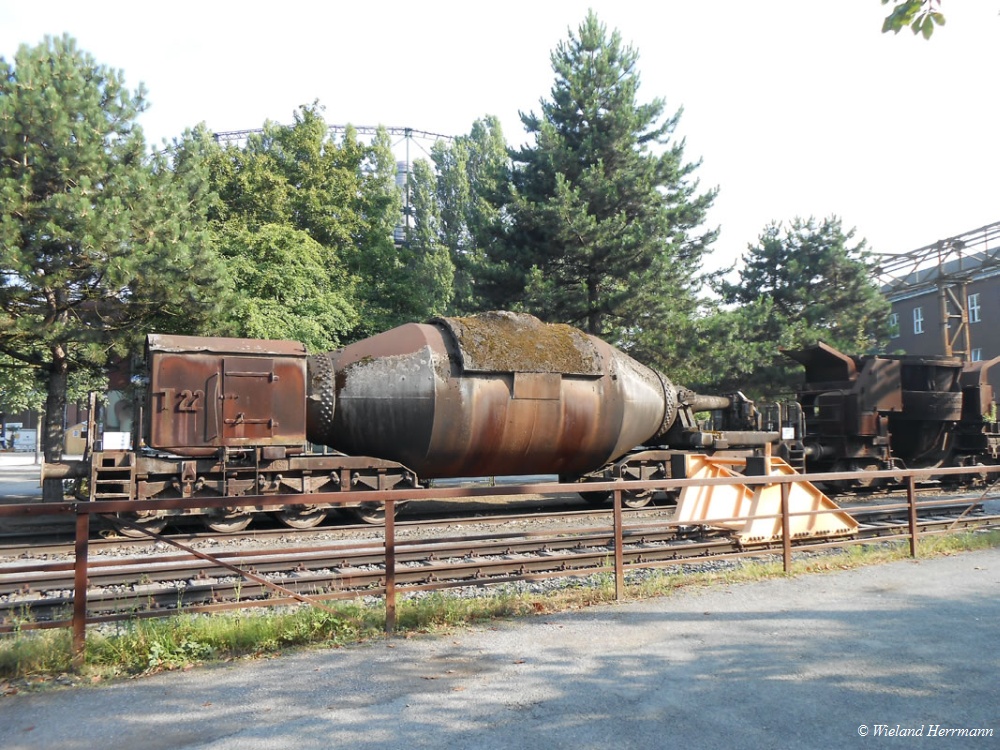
(20, 388)
(429, 264)
(329, 209)
(286, 289)
(920, 15)
(724, 349)
(100, 241)
(404, 281)
(604, 208)
(799, 285)
(472, 185)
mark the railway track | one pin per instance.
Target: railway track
(48, 544)
(150, 584)
(55, 539)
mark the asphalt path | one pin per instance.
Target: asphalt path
(19, 478)
(844, 659)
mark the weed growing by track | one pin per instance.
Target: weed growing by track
(34, 658)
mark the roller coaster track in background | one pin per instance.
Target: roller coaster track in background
(236, 136)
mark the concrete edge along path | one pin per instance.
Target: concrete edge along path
(905, 652)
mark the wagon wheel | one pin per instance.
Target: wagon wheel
(147, 525)
(629, 499)
(224, 522)
(301, 517)
(596, 498)
(864, 481)
(637, 499)
(837, 486)
(373, 512)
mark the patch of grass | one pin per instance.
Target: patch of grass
(36, 652)
(148, 646)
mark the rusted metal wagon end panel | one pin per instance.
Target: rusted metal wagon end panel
(210, 393)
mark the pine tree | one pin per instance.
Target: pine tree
(99, 239)
(604, 213)
(808, 282)
(811, 273)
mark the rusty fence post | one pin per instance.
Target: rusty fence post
(911, 496)
(390, 566)
(619, 555)
(80, 585)
(786, 528)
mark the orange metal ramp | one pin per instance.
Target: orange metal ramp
(753, 512)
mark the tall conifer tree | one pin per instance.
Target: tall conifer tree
(605, 214)
(805, 282)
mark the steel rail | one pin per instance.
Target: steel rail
(36, 545)
(19, 576)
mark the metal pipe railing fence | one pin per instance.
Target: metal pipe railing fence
(84, 511)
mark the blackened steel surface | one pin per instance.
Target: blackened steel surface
(879, 407)
(407, 395)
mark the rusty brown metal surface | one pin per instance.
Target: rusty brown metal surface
(824, 364)
(978, 395)
(222, 345)
(211, 393)
(860, 411)
(406, 395)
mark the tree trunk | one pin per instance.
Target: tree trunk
(55, 407)
(594, 318)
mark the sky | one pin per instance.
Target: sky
(795, 108)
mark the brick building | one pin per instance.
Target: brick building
(946, 298)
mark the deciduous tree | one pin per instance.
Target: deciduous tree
(473, 185)
(340, 199)
(426, 259)
(286, 288)
(921, 16)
